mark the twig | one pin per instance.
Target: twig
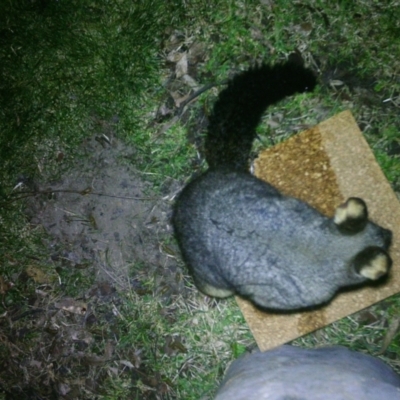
(81, 192)
(197, 93)
(180, 110)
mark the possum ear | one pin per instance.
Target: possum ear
(372, 263)
(352, 216)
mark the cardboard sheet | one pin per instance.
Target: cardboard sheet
(324, 166)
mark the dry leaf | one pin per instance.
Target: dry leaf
(81, 335)
(86, 191)
(181, 67)
(93, 359)
(38, 275)
(190, 81)
(306, 27)
(92, 221)
(390, 334)
(173, 345)
(108, 350)
(5, 286)
(178, 98)
(137, 360)
(113, 370)
(71, 305)
(126, 364)
(174, 56)
(336, 82)
(168, 250)
(63, 389)
(35, 364)
(197, 53)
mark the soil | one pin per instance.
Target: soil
(103, 220)
(103, 214)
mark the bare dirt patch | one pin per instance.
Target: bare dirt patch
(102, 214)
(104, 221)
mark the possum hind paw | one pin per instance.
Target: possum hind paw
(213, 291)
(372, 263)
(351, 216)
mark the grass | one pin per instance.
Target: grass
(64, 62)
(74, 69)
(193, 336)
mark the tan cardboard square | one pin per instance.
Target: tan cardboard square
(323, 166)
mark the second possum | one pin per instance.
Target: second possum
(240, 235)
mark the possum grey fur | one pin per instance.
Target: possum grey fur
(240, 235)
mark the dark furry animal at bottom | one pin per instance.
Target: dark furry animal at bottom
(240, 235)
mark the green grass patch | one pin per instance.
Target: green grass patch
(183, 345)
(65, 64)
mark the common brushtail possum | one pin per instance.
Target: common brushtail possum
(240, 235)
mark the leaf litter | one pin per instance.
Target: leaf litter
(100, 219)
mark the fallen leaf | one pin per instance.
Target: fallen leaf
(108, 350)
(336, 82)
(174, 56)
(190, 81)
(38, 275)
(94, 359)
(63, 389)
(306, 27)
(5, 285)
(35, 364)
(390, 334)
(196, 53)
(173, 345)
(113, 370)
(92, 221)
(367, 317)
(168, 250)
(126, 364)
(71, 305)
(178, 99)
(181, 67)
(86, 191)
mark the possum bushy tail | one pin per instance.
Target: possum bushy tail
(238, 110)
